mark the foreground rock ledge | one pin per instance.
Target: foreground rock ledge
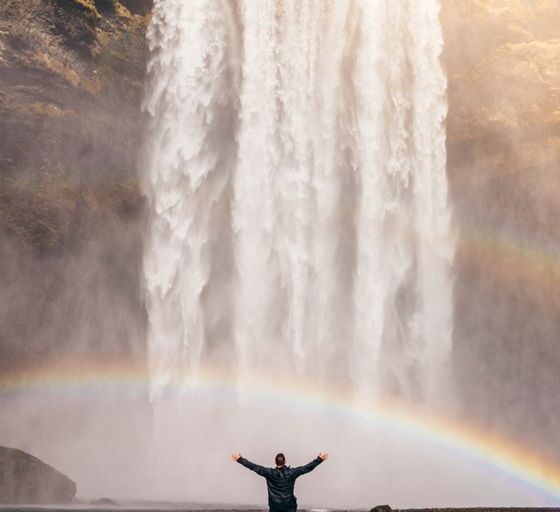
(25, 479)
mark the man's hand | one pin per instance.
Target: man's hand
(323, 455)
(235, 457)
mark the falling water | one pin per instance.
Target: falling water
(296, 176)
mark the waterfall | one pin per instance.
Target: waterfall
(295, 170)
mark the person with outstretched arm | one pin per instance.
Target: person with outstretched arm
(281, 480)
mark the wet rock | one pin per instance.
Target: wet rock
(138, 6)
(26, 479)
(381, 508)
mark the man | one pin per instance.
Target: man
(280, 480)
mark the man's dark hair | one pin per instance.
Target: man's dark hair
(280, 459)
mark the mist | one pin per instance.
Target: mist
(97, 384)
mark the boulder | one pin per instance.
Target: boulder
(26, 479)
(381, 508)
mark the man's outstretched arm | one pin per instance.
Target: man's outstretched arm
(260, 470)
(302, 470)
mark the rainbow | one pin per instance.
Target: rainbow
(465, 440)
(512, 258)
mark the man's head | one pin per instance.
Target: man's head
(280, 460)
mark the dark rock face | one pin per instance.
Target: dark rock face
(138, 6)
(71, 82)
(25, 479)
(381, 508)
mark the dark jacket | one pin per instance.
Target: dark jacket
(280, 482)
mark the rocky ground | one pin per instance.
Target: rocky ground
(71, 75)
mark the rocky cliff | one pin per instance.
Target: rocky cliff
(503, 63)
(71, 82)
(71, 77)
